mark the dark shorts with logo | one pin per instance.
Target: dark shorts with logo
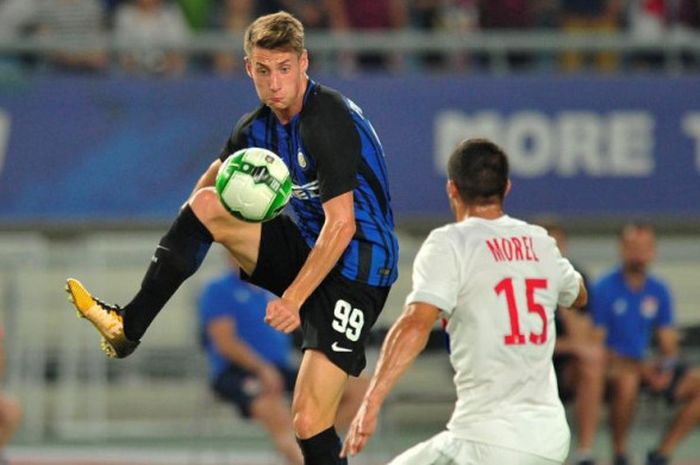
(240, 387)
(336, 319)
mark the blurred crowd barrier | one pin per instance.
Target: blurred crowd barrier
(676, 51)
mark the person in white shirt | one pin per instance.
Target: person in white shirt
(498, 281)
(155, 29)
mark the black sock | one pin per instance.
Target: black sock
(322, 449)
(177, 257)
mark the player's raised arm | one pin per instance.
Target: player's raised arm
(336, 233)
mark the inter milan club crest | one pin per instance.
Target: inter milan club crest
(301, 160)
(649, 307)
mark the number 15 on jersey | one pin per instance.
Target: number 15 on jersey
(516, 337)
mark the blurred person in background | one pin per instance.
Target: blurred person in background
(10, 411)
(579, 362)
(197, 13)
(368, 16)
(251, 364)
(652, 20)
(155, 29)
(498, 281)
(232, 17)
(450, 16)
(15, 16)
(591, 17)
(509, 16)
(630, 306)
(75, 22)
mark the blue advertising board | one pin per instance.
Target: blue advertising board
(119, 149)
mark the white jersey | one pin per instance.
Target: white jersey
(498, 283)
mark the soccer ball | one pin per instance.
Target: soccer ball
(253, 184)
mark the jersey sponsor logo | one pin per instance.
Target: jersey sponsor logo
(336, 348)
(306, 191)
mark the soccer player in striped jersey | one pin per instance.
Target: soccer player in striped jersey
(498, 281)
(332, 268)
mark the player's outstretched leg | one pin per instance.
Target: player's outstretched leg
(178, 255)
(108, 319)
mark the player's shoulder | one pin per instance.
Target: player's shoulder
(323, 102)
(446, 232)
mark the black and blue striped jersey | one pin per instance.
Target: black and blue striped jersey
(331, 148)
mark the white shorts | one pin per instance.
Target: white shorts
(445, 449)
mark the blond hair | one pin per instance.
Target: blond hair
(276, 31)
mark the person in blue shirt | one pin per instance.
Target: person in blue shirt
(250, 363)
(630, 306)
(253, 366)
(331, 268)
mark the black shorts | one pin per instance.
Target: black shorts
(240, 387)
(337, 317)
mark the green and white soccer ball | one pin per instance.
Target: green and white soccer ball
(254, 184)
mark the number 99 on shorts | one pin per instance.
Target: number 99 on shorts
(348, 320)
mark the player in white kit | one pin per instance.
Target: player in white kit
(497, 280)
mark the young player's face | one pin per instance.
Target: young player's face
(279, 77)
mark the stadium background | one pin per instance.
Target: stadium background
(94, 164)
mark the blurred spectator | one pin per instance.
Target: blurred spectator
(251, 364)
(689, 20)
(578, 363)
(426, 17)
(630, 305)
(455, 16)
(197, 13)
(509, 15)
(312, 13)
(78, 22)
(233, 17)
(651, 20)
(155, 29)
(367, 16)
(592, 17)
(505, 14)
(110, 7)
(15, 16)
(689, 14)
(647, 21)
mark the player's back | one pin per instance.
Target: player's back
(509, 280)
